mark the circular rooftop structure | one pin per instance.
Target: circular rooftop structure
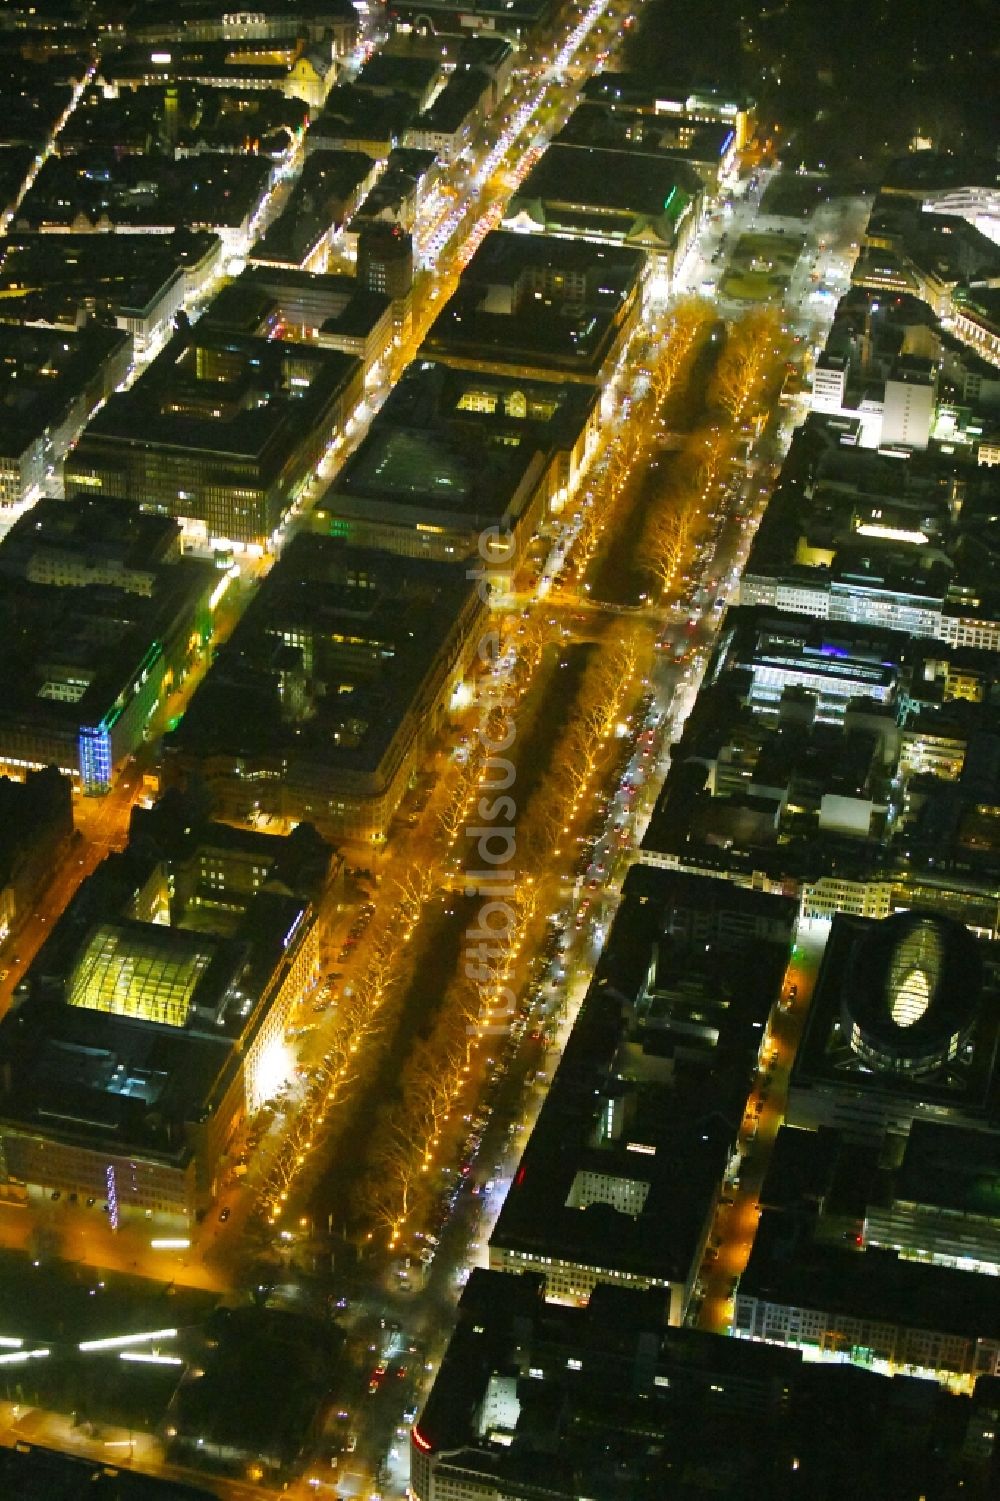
(911, 992)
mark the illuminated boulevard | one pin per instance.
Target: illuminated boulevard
(603, 657)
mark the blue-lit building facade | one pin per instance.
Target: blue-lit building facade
(102, 618)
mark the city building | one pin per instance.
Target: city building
(385, 262)
(942, 1203)
(902, 1026)
(541, 308)
(845, 764)
(316, 21)
(356, 119)
(829, 382)
(327, 194)
(181, 118)
(50, 382)
(102, 618)
(867, 1307)
(534, 1399)
(396, 199)
(621, 1176)
(611, 197)
(324, 701)
(138, 282)
(929, 1198)
(709, 148)
(910, 399)
(938, 257)
(222, 431)
(448, 124)
(514, 20)
(454, 455)
(36, 823)
(151, 1025)
(333, 312)
(292, 66)
(853, 535)
(670, 100)
(132, 193)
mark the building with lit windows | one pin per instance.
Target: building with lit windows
(452, 454)
(333, 312)
(266, 20)
(222, 431)
(50, 382)
(385, 260)
(101, 618)
(326, 195)
(903, 1026)
(512, 19)
(152, 1024)
(541, 308)
(942, 1202)
(611, 197)
(910, 401)
(852, 535)
(532, 1399)
(291, 65)
(709, 148)
(621, 1176)
(867, 1306)
(393, 204)
(669, 100)
(847, 765)
(138, 282)
(36, 823)
(331, 689)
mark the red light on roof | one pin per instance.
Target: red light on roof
(520, 1177)
(421, 1442)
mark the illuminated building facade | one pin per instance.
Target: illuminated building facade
(330, 690)
(902, 1026)
(222, 431)
(620, 1178)
(531, 1399)
(154, 1023)
(453, 453)
(867, 1307)
(102, 617)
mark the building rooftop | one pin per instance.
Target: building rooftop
(91, 531)
(85, 606)
(210, 191)
(599, 124)
(604, 179)
(449, 445)
(320, 201)
(950, 1168)
(534, 1399)
(223, 393)
(266, 302)
(62, 277)
(787, 1265)
(103, 1079)
(551, 306)
(43, 373)
(873, 976)
(129, 1030)
(648, 1097)
(326, 661)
